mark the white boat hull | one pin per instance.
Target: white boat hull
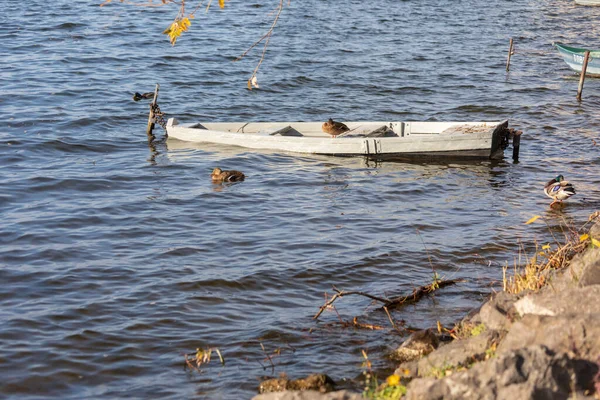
(588, 2)
(437, 139)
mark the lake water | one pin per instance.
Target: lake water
(117, 258)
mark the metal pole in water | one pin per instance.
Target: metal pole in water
(582, 77)
(510, 53)
(151, 115)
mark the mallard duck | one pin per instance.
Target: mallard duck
(138, 96)
(558, 189)
(334, 128)
(218, 175)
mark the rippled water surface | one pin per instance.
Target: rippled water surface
(118, 257)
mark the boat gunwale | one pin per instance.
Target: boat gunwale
(562, 48)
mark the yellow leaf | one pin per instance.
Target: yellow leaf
(176, 29)
(596, 242)
(532, 220)
(546, 247)
(222, 3)
(584, 237)
(439, 327)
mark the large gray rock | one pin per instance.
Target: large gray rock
(584, 270)
(416, 346)
(309, 395)
(457, 353)
(578, 334)
(595, 229)
(570, 301)
(528, 373)
(498, 312)
(588, 264)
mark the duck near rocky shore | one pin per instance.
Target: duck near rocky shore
(559, 189)
(218, 175)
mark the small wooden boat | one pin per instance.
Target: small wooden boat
(588, 2)
(574, 56)
(381, 140)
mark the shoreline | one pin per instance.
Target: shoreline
(538, 338)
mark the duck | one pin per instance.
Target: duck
(334, 128)
(139, 96)
(559, 189)
(218, 175)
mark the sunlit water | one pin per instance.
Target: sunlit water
(117, 258)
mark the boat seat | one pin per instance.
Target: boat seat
(286, 131)
(382, 131)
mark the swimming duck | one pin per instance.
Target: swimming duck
(138, 96)
(218, 175)
(334, 128)
(558, 189)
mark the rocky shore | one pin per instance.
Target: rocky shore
(526, 344)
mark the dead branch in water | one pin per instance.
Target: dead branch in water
(414, 297)
(418, 293)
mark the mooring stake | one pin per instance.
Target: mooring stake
(516, 145)
(510, 53)
(582, 77)
(151, 115)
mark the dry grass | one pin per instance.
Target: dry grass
(534, 274)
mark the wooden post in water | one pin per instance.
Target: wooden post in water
(151, 115)
(516, 145)
(582, 77)
(510, 53)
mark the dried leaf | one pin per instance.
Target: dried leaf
(222, 3)
(254, 81)
(532, 220)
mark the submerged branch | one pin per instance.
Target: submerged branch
(414, 297)
(418, 293)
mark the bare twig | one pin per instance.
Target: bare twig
(357, 324)
(341, 293)
(266, 38)
(390, 318)
(268, 357)
(427, 251)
